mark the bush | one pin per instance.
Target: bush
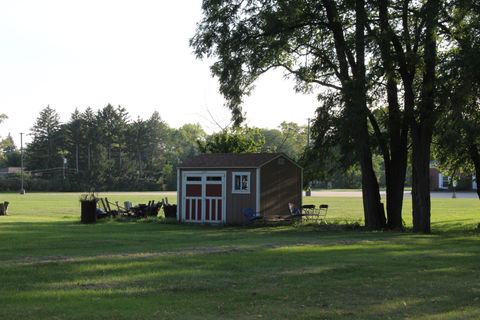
(9, 183)
(12, 183)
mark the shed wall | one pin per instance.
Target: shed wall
(281, 183)
(237, 201)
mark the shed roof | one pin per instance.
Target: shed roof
(231, 160)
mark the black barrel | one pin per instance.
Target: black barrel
(89, 211)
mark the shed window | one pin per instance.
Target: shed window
(194, 178)
(241, 182)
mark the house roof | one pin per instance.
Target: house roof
(231, 160)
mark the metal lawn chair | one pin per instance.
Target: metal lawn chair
(251, 215)
(295, 212)
(322, 212)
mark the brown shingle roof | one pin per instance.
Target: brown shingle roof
(229, 160)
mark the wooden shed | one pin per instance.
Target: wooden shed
(214, 188)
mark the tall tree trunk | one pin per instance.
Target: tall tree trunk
(421, 141)
(395, 186)
(396, 169)
(475, 156)
(422, 128)
(394, 155)
(357, 114)
(373, 207)
(354, 93)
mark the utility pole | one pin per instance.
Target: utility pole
(454, 185)
(89, 146)
(308, 132)
(64, 165)
(76, 158)
(308, 191)
(22, 190)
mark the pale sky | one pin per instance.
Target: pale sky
(75, 54)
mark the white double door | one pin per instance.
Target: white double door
(204, 196)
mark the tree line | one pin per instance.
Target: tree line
(390, 72)
(106, 150)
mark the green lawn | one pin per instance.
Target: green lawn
(53, 267)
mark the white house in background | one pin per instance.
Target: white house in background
(10, 170)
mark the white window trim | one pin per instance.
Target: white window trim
(257, 180)
(238, 173)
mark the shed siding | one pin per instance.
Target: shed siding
(280, 184)
(237, 201)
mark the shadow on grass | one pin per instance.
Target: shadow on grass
(276, 276)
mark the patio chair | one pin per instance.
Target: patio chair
(308, 211)
(295, 212)
(322, 212)
(251, 215)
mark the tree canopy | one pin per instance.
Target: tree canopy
(379, 62)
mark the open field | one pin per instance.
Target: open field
(52, 267)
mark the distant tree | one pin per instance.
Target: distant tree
(234, 140)
(332, 153)
(10, 155)
(44, 151)
(112, 123)
(158, 135)
(8, 145)
(457, 138)
(112, 126)
(75, 138)
(81, 148)
(180, 144)
(93, 159)
(290, 139)
(273, 139)
(457, 142)
(183, 142)
(294, 139)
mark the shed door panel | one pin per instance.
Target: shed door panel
(214, 199)
(204, 197)
(213, 210)
(193, 202)
(194, 190)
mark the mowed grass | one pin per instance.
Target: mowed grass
(53, 267)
